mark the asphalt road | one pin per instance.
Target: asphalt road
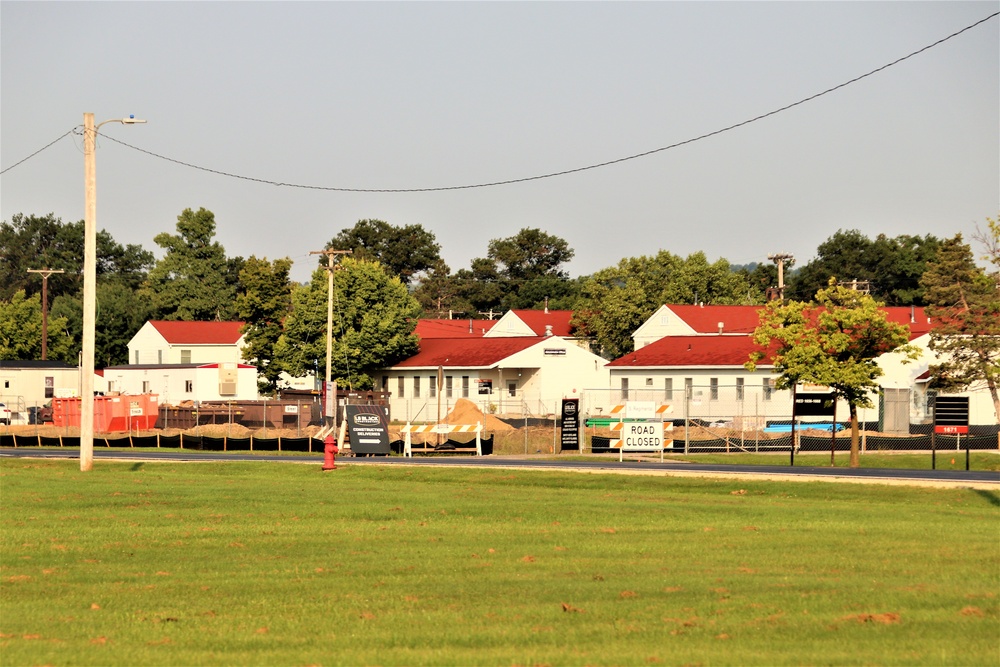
(959, 478)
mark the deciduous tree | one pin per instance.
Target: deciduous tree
(194, 280)
(406, 251)
(263, 302)
(373, 321)
(21, 330)
(833, 341)
(964, 303)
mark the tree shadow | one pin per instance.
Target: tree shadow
(992, 496)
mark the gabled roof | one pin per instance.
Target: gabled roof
(452, 328)
(744, 319)
(177, 332)
(705, 319)
(673, 351)
(466, 352)
(538, 320)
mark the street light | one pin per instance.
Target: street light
(90, 283)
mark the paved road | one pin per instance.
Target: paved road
(974, 478)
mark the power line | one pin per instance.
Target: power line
(57, 140)
(564, 172)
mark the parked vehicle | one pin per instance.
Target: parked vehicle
(5, 415)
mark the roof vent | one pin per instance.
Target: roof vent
(548, 329)
(720, 327)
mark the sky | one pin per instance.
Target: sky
(418, 95)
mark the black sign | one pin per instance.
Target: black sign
(951, 411)
(814, 405)
(368, 429)
(485, 386)
(571, 423)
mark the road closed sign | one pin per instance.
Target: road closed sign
(643, 437)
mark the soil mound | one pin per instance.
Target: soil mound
(464, 412)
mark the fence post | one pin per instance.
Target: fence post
(687, 421)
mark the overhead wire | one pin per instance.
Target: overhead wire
(575, 170)
(536, 177)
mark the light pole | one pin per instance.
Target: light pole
(90, 283)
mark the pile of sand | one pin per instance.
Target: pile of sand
(466, 412)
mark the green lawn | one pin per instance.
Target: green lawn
(281, 564)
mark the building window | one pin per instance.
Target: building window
(668, 388)
(688, 387)
(767, 389)
(185, 356)
(136, 355)
(145, 386)
(385, 383)
(50, 385)
(624, 389)
(512, 389)
(739, 389)
(465, 386)
(649, 382)
(416, 386)
(400, 392)
(447, 386)
(188, 386)
(713, 385)
(433, 384)
(159, 356)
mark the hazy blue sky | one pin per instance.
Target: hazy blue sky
(422, 95)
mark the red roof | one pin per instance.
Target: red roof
(537, 320)
(744, 319)
(177, 332)
(705, 319)
(452, 328)
(466, 352)
(692, 351)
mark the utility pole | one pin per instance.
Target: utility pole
(780, 259)
(330, 268)
(45, 273)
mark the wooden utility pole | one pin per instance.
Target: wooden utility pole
(45, 273)
(330, 268)
(779, 259)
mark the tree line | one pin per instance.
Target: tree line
(393, 276)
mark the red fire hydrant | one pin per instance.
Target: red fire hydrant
(330, 453)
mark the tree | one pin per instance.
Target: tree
(891, 267)
(405, 251)
(194, 280)
(45, 242)
(263, 302)
(964, 303)
(374, 318)
(119, 316)
(615, 301)
(21, 330)
(833, 341)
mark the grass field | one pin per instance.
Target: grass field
(281, 564)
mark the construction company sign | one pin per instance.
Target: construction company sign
(644, 436)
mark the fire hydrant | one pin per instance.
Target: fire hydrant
(330, 453)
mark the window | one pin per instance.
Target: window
(185, 356)
(447, 386)
(624, 389)
(400, 392)
(767, 389)
(385, 383)
(713, 384)
(416, 386)
(188, 386)
(668, 388)
(145, 386)
(649, 382)
(688, 387)
(512, 389)
(159, 356)
(465, 386)
(739, 389)
(433, 386)
(50, 384)
(136, 355)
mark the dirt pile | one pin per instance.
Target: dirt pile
(466, 412)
